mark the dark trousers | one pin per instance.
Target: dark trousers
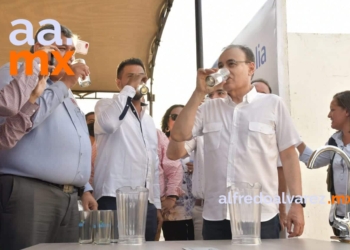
(33, 212)
(178, 230)
(221, 230)
(109, 203)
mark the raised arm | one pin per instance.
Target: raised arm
(108, 112)
(182, 130)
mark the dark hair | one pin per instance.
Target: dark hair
(91, 129)
(165, 118)
(130, 61)
(90, 113)
(249, 55)
(263, 81)
(64, 30)
(343, 100)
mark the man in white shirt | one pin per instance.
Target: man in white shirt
(243, 136)
(127, 142)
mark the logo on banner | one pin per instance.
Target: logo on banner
(260, 56)
(62, 61)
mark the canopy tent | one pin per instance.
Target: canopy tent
(115, 29)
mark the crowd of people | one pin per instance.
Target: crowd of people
(52, 154)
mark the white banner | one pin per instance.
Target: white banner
(260, 35)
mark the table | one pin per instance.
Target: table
(285, 244)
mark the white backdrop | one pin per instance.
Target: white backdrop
(260, 35)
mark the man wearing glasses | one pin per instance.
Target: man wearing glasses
(41, 176)
(243, 136)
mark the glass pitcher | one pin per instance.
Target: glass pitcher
(245, 212)
(132, 211)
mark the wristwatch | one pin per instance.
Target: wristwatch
(299, 200)
(173, 196)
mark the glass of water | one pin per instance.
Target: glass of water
(102, 226)
(85, 227)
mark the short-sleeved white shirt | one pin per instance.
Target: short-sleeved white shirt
(242, 143)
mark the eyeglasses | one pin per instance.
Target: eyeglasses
(233, 63)
(173, 116)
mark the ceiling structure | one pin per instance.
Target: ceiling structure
(115, 29)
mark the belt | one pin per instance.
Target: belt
(199, 202)
(68, 189)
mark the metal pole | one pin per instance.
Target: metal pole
(199, 35)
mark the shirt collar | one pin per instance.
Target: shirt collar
(248, 98)
(338, 137)
(49, 81)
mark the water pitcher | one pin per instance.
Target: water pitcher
(245, 212)
(132, 210)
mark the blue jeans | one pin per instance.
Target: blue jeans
(109, 203)
(221, 230)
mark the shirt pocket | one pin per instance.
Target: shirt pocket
(212, 135)
(261, 136)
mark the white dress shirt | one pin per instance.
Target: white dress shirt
(242, 143)
(126, 149)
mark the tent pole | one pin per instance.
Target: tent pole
(199, 35)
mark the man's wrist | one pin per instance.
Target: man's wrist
(299, 201)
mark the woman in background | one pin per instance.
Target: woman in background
(178, 223)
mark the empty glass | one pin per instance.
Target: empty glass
(245, 212)
(85, 227)
(114, 228)
(102, 226)
(218, 77)
(132, 210)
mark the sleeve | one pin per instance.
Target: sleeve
(16, 127)
(108, 114)
(16, 91)
(321, 161)
(191, 145)
(93, 156)
(88, 187)
(160, 168)
(286, 133)
(156, 188)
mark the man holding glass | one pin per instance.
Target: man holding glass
(41, 176)
(244, 134)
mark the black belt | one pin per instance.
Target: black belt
(68, 189)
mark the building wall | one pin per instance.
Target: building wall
(319, 67)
